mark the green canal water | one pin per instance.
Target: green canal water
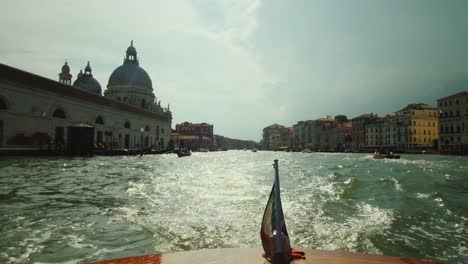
(70, 210)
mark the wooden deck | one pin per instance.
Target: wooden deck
(254, 256)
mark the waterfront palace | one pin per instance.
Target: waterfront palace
(35, 112)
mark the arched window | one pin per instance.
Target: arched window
(143, 103)
(147, 128)
(99, 120)
(127, 124)
(59, 113)
(3, 104)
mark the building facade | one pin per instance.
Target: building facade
(453, 123)
(359, 136)
(411, 129)
(277, 136)
(35, 111)
(194, 135)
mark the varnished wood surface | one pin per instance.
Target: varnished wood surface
(254, 256)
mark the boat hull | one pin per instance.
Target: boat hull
(254, 256)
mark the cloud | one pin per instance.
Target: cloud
(198, 53)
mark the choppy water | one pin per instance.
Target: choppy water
(56, 210)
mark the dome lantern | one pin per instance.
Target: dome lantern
(88, 70)
(131, 54)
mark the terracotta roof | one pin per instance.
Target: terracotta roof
(363, 116)
(41, 83)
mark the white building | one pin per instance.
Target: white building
(35, 111)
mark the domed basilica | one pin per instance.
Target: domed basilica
(128, 115)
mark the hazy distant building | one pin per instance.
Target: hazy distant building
(453, 123)
(194, 135)
(277, 136)
(35, 111)
(230, 143)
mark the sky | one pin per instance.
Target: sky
(242, 65)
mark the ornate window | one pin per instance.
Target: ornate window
(99, 120)
(3, 104)
(127, 124)
(59, 113)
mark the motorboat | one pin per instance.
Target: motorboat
(183, 153)
(385, 156)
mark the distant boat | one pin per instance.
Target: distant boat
(306, 151)
(385, 156)
(254, 150)
(183, 153)
(201, 150)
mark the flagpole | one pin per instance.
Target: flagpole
(278, 257)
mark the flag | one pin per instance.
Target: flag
(276, 244)
(269, 235)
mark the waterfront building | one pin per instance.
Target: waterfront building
(411, 129)
(35, 112)
(299, 135)
(453, 122)
(359, 136)
(374, 133)
(193, 135)
(323, 134)
(230, 143)
(340, 134)
(277, 136)
(417, 128)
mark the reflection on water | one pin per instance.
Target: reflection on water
(80, 209)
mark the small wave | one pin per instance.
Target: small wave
(392, 181)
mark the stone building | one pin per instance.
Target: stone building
(35, 111)
(323, 134)
(277, 136)
(359, 136)
(193, 135)
(340, 134)
(411, 129)
(417, 128)
(453, 123)
(374, 133)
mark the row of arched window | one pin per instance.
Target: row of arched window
(60, 113)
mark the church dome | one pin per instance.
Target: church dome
(130, 73)
(86, 81)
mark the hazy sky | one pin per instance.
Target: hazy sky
(245, 64)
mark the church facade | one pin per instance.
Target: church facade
(35, 111)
